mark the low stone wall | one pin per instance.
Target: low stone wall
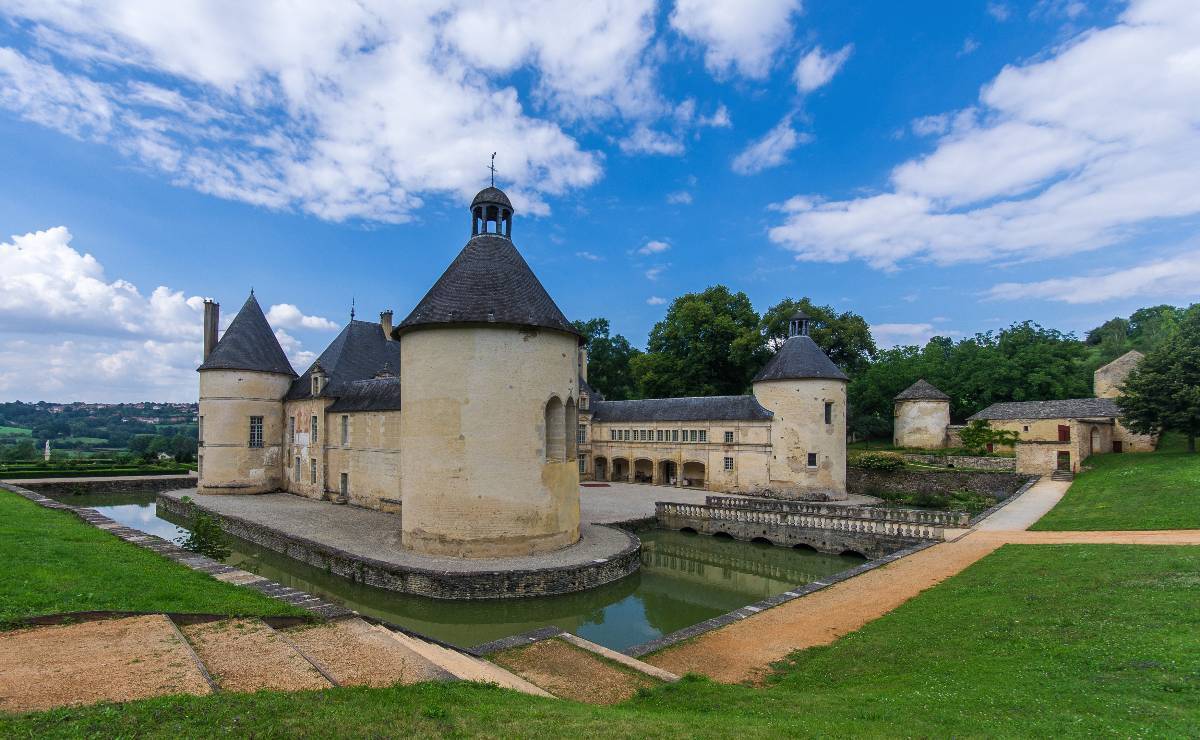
(81, 486)
(977, 462)
(870, 482)
(434, 584)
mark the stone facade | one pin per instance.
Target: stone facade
(231, 401)
(921, 423)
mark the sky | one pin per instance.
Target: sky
(940, 168)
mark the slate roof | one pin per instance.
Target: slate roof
(487, 283)
(491, 195)
(922, 390)
(376, 394)
(358, 353)
(1068, 408)
(799, 358)
(249, 344)
(718, 408)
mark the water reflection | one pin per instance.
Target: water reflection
(684, 579)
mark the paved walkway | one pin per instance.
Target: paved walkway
(744, 650)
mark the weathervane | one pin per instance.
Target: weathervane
(492, 167)
(352, 308)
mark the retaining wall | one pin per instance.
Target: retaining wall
(978, 462)
(869, 482)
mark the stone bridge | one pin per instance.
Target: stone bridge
(869, 531)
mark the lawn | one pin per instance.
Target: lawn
(15, 432)
(1151, 490)
(1073, 640)
(53, 563)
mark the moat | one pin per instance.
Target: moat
(683, 579)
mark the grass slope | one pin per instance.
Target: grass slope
(1153, 490)
(1072, 640)
(15, 432)
(53, 562)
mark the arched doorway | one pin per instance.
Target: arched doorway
(600, 468)
(643, 471)
(693, 475)
(556, 437)
(668, 473)
(620, 469)
(1095, 441)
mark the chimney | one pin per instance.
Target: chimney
(212, 312)
(583, 363)
(385, 320)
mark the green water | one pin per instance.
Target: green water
(684, 579)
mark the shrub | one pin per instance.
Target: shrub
(881, 461)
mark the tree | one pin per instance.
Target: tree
(709, 343)
(609, 360)
(1163, 391)
(845, 337)
(977, 435)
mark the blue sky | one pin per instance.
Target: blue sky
(939, 167)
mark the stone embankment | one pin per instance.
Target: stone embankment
(908, 480)
(972, 462)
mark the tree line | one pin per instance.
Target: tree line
(713, 342)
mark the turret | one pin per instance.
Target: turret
(807, 394)
(242, 384)
(922, 417)
(488, 404)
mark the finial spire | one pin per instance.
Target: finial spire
(352, 308)
(492, 167)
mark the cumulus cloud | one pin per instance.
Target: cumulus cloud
(679, 198)
(816, 68)
(893, 335)
(771, 150)
(739, 36)
(588, 256)
(1076, 151)
(288, 316)
(654, 246)
(655, 300)
(645, 140)
(654, 272)
(68, 331)
(999, 11)
(1176, 277)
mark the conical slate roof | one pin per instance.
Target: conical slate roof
(249, 344)
(800, 358)
(487, 283)
(922, 390)
(358, 353)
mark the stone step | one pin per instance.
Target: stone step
(354, 653)
(572, 671)
(463, 666)
(247, 655)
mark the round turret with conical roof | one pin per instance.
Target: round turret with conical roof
(488, 404)
(243, 380)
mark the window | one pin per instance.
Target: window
(1064, 433)
(729, 463)
(581, 434)
(292, 429)
(296, 470)
(582, 464)
(612, 435)
(312, 471)
(200, 432)
(692, 435)
(1025, 428)
(658, 435)
(345, 485)
(828, 412)
(674, 435)
(703, 435)
(316, 384)
(345, 429)
(256, 431)
(625, 435)
(812, 459)
(728, 438)
(313, 440)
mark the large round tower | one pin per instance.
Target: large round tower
(242, 384)
(807, 394)
(489, 392)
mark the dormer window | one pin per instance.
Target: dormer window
(316, 384)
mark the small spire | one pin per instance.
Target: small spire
(492, 167)
(251, 291)
(352, 308)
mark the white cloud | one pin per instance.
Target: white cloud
(817, 68)
(931, 125)
(999, 11)
(645, 140)
(1177, 277)
(296, 354)
(679, 198)
(969, 46)
(654, 272)
(133, 346)
(1073, 152)
(771, 150)
(892, 335)
(654, 246)
(288, 316)
(737, 35)
(588, 256)
(655, 300)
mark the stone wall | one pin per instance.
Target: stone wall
(921, 423)
(799, 428)
(1000, 485)
(1001, 464)
(80, 486)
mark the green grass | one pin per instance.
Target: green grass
(1148, 490)
(1073, 640)
(15, 432)
(53, 563)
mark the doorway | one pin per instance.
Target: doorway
(1064, 461)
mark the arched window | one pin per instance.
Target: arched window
(570, 428)
(555, 430)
